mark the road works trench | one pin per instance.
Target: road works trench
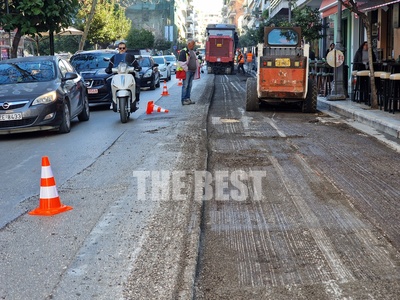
(323, 225)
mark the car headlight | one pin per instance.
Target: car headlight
(46, 98)
(148, 73)
(163, 69)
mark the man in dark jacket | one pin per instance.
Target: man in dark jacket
(131, 61)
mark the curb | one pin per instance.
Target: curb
(373, 118)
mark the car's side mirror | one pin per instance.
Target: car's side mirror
(70, 76)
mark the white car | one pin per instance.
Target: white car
(163, 67)
(172, 60)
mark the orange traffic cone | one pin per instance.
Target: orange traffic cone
(180, 82)
(151, 107)
(165, 90)
(50, 203)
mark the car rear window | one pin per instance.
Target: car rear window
(27, 71)
(144, 62)
(159, 60)
(170, 58)
(84, 62)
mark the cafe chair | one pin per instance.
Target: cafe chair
(327, 78)
(354, 88)
(320, 82)
(385, 91)
(363, 87)
(378, 86)
(394, 98)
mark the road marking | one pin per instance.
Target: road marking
(275, 126)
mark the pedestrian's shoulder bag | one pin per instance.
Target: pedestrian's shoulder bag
(180, 74)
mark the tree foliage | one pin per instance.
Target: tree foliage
(109, 22)
(162, 44)
(250, 38)
(307, 18)
(140, 39)
(31, 17)
(62, 43)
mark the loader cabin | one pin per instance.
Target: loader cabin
(283, 65)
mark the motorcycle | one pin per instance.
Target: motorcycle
(123, 88)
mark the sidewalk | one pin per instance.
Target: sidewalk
(382, 121)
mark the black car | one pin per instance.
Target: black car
(91, 65)
(40, 93)
(149, 75)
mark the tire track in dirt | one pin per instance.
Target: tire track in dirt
(304, 239)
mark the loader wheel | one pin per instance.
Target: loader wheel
(310, 103)
(252, 101)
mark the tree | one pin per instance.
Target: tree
(107, 24)
(62, 43)
(140, 39)
(31, 17)
(352, 6)
(88, 20)
(162, 44)
(307, 18)
(250, 38)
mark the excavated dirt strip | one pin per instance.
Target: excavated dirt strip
(325, 223)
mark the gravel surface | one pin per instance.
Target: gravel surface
(324, 224)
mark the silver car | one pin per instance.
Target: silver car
(40, 93)
(163, 67)
(172, 60)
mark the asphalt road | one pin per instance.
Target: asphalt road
(92, 251)
(309, 209)
(322, 225)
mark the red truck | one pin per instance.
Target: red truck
(220, 48)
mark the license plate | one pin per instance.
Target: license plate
(282, 62)
(92, 91)
(11, 117)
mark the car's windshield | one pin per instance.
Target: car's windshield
(159, 60)
(26, 71)
(283, 37)
(83, 62)
(170, 58)
(144, 62)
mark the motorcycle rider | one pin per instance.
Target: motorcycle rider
(131, 61)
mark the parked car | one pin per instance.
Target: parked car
(91, 66)
(172, 60)
(40, 93)
(149, 75)
(163, 67)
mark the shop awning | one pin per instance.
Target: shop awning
(375, 4)
(329, 7)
